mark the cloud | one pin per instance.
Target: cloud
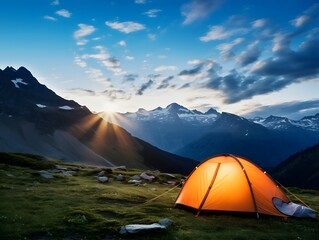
(129, 58)
(269, 75)
(152, 13)
(55, 2)
(84, 31)
(165, 82)
(122, 43)
(95, 74)
(220, 33)
(125, 27)
(101, 55)
(82, 92)
(79, 61)
(64, 13)
(250, 55)
(225, 47)
(50, 18)
(130, 77)
(144, 87)
(151, 36)
(260, 23)
(140, 1)
(113, 65)
(194, 62)
(165, 68)
(294, 65)
(310, 15)
(199, 9)
(293, 110)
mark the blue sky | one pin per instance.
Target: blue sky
(248, 57)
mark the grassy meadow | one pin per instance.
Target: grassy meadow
(80, 207)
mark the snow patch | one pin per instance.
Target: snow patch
(18, 80)
(66, 107)
(41, 105)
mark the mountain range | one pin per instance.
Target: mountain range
(34, 119)
(198, 135)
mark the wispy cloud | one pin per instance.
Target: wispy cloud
(151, 36)
(152, 13)
(122, 43)
(129, 58)
(250, 55)
(130, 77)
(50, 18)
(144, 87)
(165, 68)
(64, 13)
(293, 110)
(84, 31)
(225, 47)
(126, 27)
(55, 2)
(79, 61)
(140, 1)
(165, 82)
(259, 23)
(220, 33)
(199, 9)
(309, 16)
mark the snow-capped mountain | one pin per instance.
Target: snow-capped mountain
(174, 112)
(310, 123)
(34, 119)
(198, 135)
(168, 128)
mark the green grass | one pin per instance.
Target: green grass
(80, 207)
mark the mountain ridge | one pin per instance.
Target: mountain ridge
(199, 135)
(43, 122)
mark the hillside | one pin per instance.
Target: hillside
(300, 170)
(75, 205)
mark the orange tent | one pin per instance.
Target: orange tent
(230, 183)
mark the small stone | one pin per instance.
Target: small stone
(135, 177)
(120, 177)
(66, 174)
(103, 179)
(133, 181)
(59, 167)
(101, 174)
(45, 174)
(145, 176)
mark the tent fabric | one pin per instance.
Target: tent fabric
(293, 209)
(230, 183)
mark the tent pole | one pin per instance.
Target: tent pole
(208, 190)
(249, 184)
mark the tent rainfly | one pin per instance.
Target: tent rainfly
(230, 183)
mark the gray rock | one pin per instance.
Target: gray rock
(45, 174)
(59, 167)
(145, 176)
(67, 174)
(101, 174)
(120, 177)
(168, 175)
(103, 179)
(133, 181)
(135, 177)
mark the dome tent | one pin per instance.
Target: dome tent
(231, 183)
